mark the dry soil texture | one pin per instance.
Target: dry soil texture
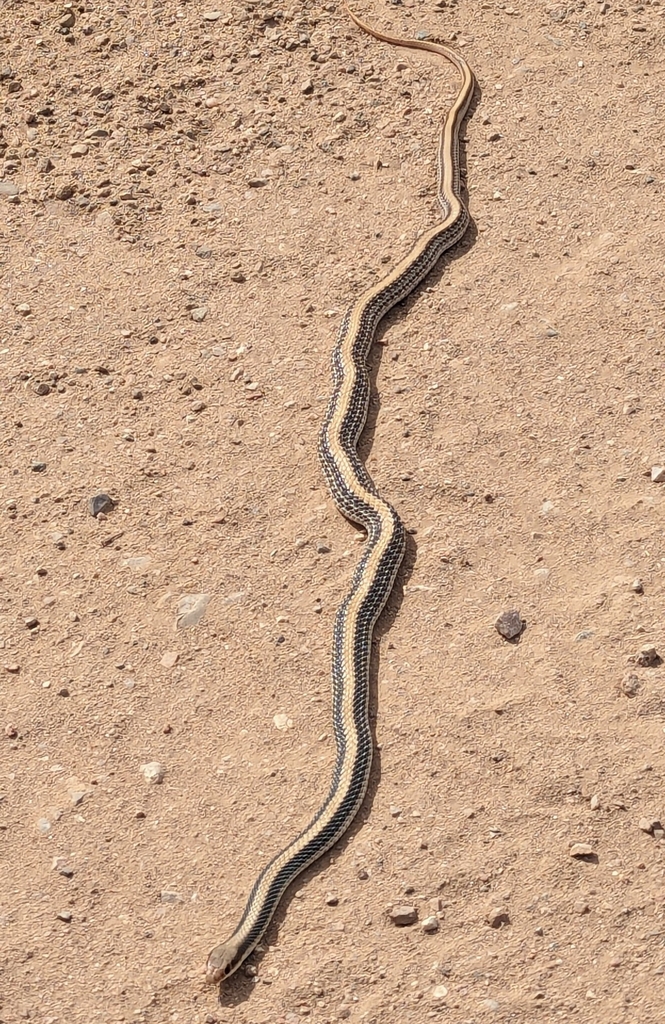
(189, 199)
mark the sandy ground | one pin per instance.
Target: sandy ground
(189, 199)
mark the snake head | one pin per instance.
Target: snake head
(222, 962)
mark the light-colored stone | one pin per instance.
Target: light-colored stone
(648, 656)
(167, 896)
(581, 850)
(153, 772)
(630, 684)
(497, 917)
(403, 915)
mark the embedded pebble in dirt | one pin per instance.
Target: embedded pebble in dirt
(153, 772)
(509, 624)
(100, 503)
(191, 196)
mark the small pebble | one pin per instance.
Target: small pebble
(166, 896)
(169, 659)
(153, 772)
(12, 667)
(581, 850)
(630, 684)
(38, 467)
(80, 149)
(100, 503)
(199, 314)
(61, 865)
(307, 87)
(332, 900)
(439, 992)
(648, 656)
(430, 924)
(32, 622)
(403, 916)
(594, 802)
(650, 825)
(497, 917)
(581, 907)
(322, 549)
(509, 624)
(64, 915)
(658, 474)
(77, 791)
(282, 722)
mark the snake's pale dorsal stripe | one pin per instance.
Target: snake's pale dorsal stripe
(356, 497)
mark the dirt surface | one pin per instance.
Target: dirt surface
(189, 199)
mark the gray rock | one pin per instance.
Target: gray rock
(100, 503)
(510, 624)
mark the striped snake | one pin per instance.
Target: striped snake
(356, 498)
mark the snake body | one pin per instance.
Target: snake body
(357, 499)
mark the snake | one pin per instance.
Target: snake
(356, 497)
